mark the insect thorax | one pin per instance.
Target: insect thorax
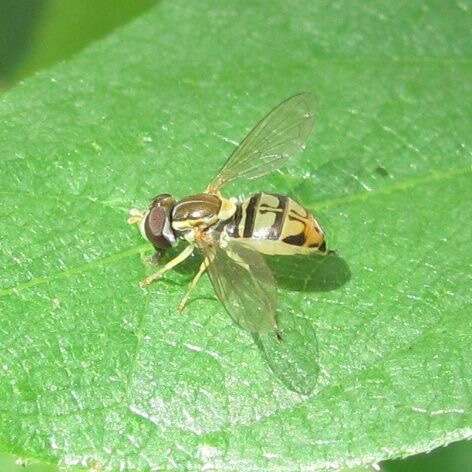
(201, 211)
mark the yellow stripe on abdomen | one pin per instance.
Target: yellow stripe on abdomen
(276, 224)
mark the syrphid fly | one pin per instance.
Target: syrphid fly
(234, 234)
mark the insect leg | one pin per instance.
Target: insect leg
(135, 216)
(170, 265)
(203, 267)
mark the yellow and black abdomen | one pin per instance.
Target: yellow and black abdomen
(276, 224)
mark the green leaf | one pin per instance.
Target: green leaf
(98, 372)
(9, 463)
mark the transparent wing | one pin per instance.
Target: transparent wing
(245, 286)
(292, 352)
(276, 138)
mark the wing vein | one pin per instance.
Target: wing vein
(280, 135)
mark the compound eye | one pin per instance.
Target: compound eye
(163, 199)
(157, 228)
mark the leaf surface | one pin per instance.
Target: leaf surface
(98, 372)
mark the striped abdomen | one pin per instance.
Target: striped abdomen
(276, 224)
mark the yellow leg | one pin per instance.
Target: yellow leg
(135, 216)
(203, 267)
(170, 265)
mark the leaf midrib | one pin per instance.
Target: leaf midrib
(406, 184)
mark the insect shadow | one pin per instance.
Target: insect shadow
(297, 273)
(309, 274)
(292, 351)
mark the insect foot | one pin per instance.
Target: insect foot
(135, 216)
(149, 280)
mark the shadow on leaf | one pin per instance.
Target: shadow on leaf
(309, 273)
(291, 352)
(297, 273)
